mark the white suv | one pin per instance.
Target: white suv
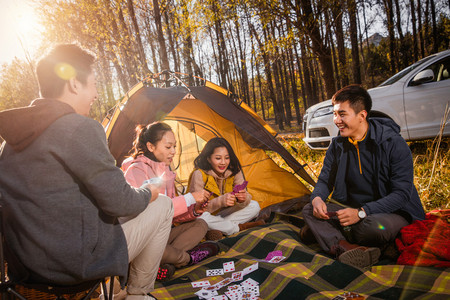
(415, 98)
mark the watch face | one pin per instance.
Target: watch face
(361, 214)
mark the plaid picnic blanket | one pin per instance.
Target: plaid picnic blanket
(305, 273)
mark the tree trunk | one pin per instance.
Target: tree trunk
(414, 28)
(419, 17)
(436, 40)
(142, 56)
(319, 47)
(342, 65)
(170, 35)
(356, 65)
(390, 24)
(159, 31)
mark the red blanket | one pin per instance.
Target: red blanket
(427, 242)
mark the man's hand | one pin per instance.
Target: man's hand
(241, 196)
(348, 216)
(230, 199)
(154, 189)
(320, 208)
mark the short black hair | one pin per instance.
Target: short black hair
(61, 63)
(358, 97)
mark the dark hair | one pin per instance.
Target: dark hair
(358, 97)
(201, 162)
(152, 133)
(63, 62)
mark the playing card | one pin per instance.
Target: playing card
(228, 267)
(204, 294)
(250, 269)
(224, 282)
(235, 287)
(331, 214)
(233, 295)
(214, 272)
(277, 259)
(253, 289)
(239, 187)
(249, 282)
(200, 283)
(237, 276)
(273, 254)
(219, 297)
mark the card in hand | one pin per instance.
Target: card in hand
(214, 272)
(228, 266)
(239, 187)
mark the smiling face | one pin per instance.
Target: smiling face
(165, 149)
(219, 160)
(350, 123)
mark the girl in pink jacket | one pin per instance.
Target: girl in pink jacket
(152, 153)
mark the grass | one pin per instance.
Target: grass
(431, 167)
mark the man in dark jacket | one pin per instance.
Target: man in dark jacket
(369, 170)
(62, 193)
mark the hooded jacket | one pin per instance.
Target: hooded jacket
(62, 193)
(392, 166)
(141, 168)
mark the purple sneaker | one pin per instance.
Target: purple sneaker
(203, 251)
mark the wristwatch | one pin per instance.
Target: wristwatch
(361, 213)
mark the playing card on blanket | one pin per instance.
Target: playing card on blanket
(219, 297)
(249, 282)
(214, 272)
(277, 259)
(235, 287)
(237, 276)
(205, 294)
(200, 283)
(254, 289)
(250, 269)
(228, 266)
(234, 295)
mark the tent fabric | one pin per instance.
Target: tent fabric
(196, 114)
(305, 273)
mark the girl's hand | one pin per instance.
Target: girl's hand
(230, 199)
(200, 208)
(201, 196)
(241, 196)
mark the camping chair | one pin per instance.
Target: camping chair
(15, 282)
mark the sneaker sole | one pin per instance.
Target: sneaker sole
(360, 257)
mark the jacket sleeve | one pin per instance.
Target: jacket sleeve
(88, 158)
(139, 172)
(187, 216)
(136, 174)
(326, 180)
(400, 182)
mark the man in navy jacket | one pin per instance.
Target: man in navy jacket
(369, 169)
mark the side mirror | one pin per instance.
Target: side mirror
(423, 77)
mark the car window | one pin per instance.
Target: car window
(405, 71)
(441, 69)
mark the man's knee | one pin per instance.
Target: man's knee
(371, 233)
(307, 211)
